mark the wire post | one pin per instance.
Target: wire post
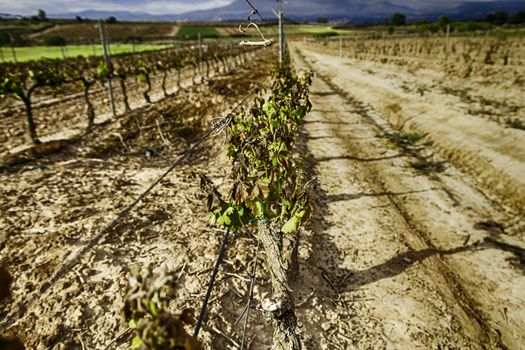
(340, 46)
(13, 53)
(200, 53)
(232, 65)
(448, 35)
(107, 59)
(447, 44)
(282, 43)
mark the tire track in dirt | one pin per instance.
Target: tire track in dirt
(379, 173)
(487, 151)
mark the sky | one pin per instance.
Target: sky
(156, 7)
(163, 7)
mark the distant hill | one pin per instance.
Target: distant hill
(121, 15)
(481, 9)
(300, 10)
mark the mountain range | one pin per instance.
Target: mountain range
(349, 10)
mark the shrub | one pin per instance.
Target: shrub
(328, 34)
(4, 38)
(54, 40)
(132, 39)
(518, 18)
(398, 19)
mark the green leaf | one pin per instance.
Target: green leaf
(259, 209)
(291, 225)
(224, 219)
(136, 343)
(142, 78)
(213, 218)
(153, 308)
(269, 108)
(132, 323)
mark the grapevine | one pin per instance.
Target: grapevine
(21, 80)
(268, 183)
(146, 311)
(270, 189)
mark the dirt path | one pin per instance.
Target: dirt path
(398, 257)
(174, 31)
(494, 154)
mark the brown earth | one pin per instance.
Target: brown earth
(54, 207)
(443, 105)
(406, 250)
(82, 32)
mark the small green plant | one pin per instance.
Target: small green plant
(406, 139)
(54, 40)
(269, 185)
(270, 189)
(146, 310)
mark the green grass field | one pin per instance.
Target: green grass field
(192, 32)
(24, 54)
(306, 29)
(315, 30)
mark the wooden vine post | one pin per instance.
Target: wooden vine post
(282, 42)
(13, 54)
(107, 59)
(280, 309)
(199, 40)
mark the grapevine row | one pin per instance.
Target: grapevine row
(20, 81)
(270, 189)
(498, 51)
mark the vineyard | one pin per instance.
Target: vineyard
(36, 84)
(342, 193)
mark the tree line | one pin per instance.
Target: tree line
(496, 18)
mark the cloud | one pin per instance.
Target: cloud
(174, 7)
(156, 7)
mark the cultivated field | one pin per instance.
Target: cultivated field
(378, 204)
(23, 54)
(82, 32)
